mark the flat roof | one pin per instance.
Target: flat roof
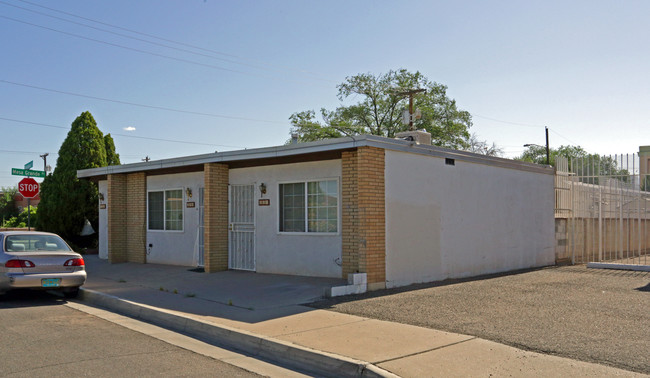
(309, 148)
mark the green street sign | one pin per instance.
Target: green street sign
(29, 165)
(27, 172)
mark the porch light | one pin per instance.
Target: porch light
(101, 196)
(263, 188)
(188, 192)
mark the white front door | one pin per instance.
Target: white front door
(241, 226)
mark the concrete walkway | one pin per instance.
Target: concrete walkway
(263, 316)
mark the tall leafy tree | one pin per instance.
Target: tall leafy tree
(66, 201)
(380, 107)
(112, 157)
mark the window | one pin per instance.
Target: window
(166, 210)
(309, 206)
(34, 243)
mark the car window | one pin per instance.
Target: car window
(34, 243)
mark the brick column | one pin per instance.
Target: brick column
(215, 209)
(117, 228)
(136, 217)
(363, 215)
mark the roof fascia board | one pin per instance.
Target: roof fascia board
(441, 152)
(228, 156)
(314, 147)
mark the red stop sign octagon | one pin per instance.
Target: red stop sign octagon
(28, 187)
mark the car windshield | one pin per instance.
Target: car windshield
(34, 243)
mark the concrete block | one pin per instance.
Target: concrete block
(357, 278)
(338, 291)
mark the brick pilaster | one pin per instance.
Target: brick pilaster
(136, 217)
(215, 217)
(363, 215)
(117, 228)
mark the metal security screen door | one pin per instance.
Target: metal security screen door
(201, 243)
(241, 235)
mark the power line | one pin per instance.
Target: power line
(139, 105)
(507, 122)
(143, 40)
(122, 135)
(153, 53)
(21, 152)
(562, 136)
(171, 41)
(130, 48)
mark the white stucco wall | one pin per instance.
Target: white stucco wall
(446, 221)
(306, 254)
(103, 220)
(176, 247)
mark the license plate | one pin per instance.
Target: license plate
(50, 282)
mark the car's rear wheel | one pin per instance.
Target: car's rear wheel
(71, 293)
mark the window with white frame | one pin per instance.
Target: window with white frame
(310, 206)
(165, 210)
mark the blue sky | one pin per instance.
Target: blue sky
(580, 68)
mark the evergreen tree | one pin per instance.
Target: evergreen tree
(112, 157)
(66, 201)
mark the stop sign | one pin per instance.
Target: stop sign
(28, 187)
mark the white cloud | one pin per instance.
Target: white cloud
(130, 128)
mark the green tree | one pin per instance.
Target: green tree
(588, 166)
(379, 111)
(66, 201)
(537, 154)
(8, 203)
(112, 157)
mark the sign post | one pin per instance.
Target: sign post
(28, 188)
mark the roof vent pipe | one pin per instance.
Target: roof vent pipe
(294, 138)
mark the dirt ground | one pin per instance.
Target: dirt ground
(600, 316)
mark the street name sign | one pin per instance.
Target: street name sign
(27, 172)
(29, 165)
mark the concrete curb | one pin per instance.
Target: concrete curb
(289, 354)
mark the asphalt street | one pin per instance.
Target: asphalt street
(600, 316)
(43, 338)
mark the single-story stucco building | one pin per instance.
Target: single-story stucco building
(399, 211)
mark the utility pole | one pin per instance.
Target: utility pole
(548, 154)
(44, 156)
(548, 150)
(410, 93)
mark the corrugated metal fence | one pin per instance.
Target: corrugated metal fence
(602, 205)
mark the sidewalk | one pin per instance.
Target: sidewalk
(262, 315)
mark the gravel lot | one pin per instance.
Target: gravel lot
(600, 316)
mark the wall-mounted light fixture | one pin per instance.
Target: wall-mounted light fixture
(263, 188)
(188, 192)
(101, 196)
